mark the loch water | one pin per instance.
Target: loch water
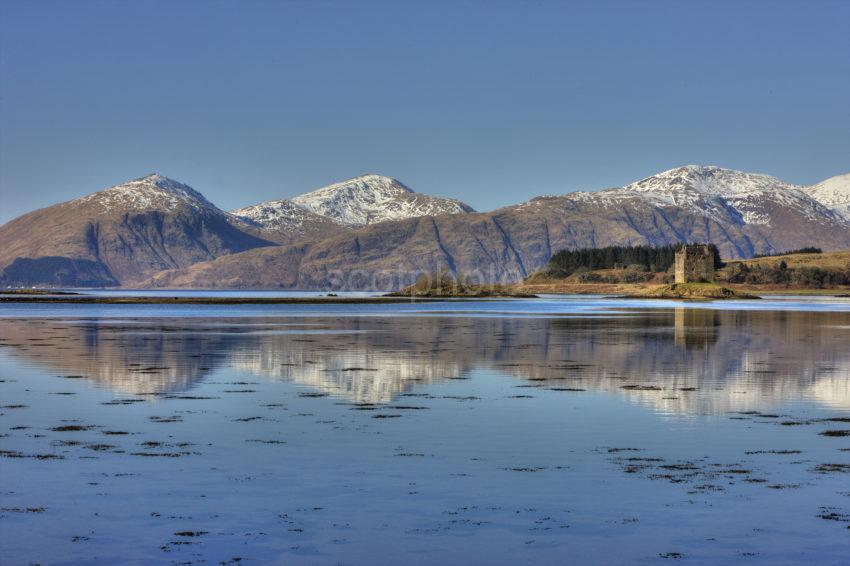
(550, 431)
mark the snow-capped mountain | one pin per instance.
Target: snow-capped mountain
(373, 198)
(707, 180)
(742, 213)
(716, 192)
(283, 221)
(159, 232)
(833, 193)
(148, 193)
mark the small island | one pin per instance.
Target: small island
(694, 276)
(445, 285)
(690, 291)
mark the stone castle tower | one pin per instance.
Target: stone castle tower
(694, 264)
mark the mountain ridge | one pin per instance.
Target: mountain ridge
(743, 213)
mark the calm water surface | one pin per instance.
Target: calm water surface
(576, 430)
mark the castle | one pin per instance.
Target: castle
(694, 264)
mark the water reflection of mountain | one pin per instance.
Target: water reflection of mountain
(127, 356)
(703, 361)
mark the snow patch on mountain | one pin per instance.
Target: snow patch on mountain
(374, 198)
(708, 180)
(281, 215)
(834, 193)
(152, 192)
(715, 192)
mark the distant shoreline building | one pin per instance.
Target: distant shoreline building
(694, 264)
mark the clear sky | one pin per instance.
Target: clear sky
(489, 102)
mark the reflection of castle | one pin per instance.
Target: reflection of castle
(704, 361)
(695, 327)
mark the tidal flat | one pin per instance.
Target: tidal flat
(549, 431)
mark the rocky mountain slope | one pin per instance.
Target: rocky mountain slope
(372, 198)
(742, 213)
(120, 235)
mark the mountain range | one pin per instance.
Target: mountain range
(374, 232)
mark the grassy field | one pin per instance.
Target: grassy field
(827, 260)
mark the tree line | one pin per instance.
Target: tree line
(809, 250)
(650, 258)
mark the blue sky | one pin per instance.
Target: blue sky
(490, 102)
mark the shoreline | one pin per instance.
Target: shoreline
(147, 300)
(532, 291)
(623, 290)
